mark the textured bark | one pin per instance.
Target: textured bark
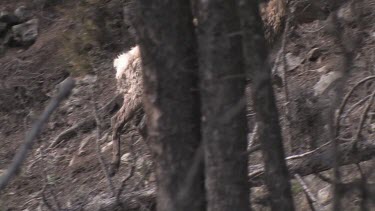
(168, 50)
(255, 53)
(223, 102)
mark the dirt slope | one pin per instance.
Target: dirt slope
(70, 173)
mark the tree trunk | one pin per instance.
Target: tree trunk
(223, 101)
(171, 100)
(255, 52)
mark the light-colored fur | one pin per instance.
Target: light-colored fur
(129, 83)
(128, 72)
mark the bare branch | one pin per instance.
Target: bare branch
(363, 117)
(103, 164)
(64, 90)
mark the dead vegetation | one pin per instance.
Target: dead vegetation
(87, 46)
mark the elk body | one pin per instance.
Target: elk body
(129, 83)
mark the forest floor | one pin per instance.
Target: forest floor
(69, 175)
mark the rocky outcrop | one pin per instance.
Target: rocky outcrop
(18, 28)
(26, 33)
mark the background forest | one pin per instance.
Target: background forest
(245, 105)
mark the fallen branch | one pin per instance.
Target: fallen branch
(346, 99)
(363, 117)
(89, 122)
(321, 160)
(98, 133)
(72, 131)
(314, 204)
(64, 90)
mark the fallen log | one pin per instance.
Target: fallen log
(320, 160)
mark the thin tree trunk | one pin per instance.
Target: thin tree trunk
(169, 55)
(223, 101)
(255, 52)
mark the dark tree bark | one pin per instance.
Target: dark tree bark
(168, 46)
(223, 102)
(255, 52)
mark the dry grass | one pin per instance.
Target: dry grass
(95, 26)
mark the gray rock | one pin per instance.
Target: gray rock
(23, 13)
(9, 18)
(25, 33)
(346, 13)
(293, 61)
(326, 81)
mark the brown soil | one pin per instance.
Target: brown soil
(28, 78)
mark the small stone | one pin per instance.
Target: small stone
(325, 195)
(107, 147)
(126, 158)
(26, 33)
(326, 81)
(89, 79)
(293, 61)
(322, 69)
(346, 13)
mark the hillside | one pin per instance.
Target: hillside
(81, 39)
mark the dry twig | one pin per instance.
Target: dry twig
(363, 117)
(346, 98)
(355, 106)
(103, 164)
